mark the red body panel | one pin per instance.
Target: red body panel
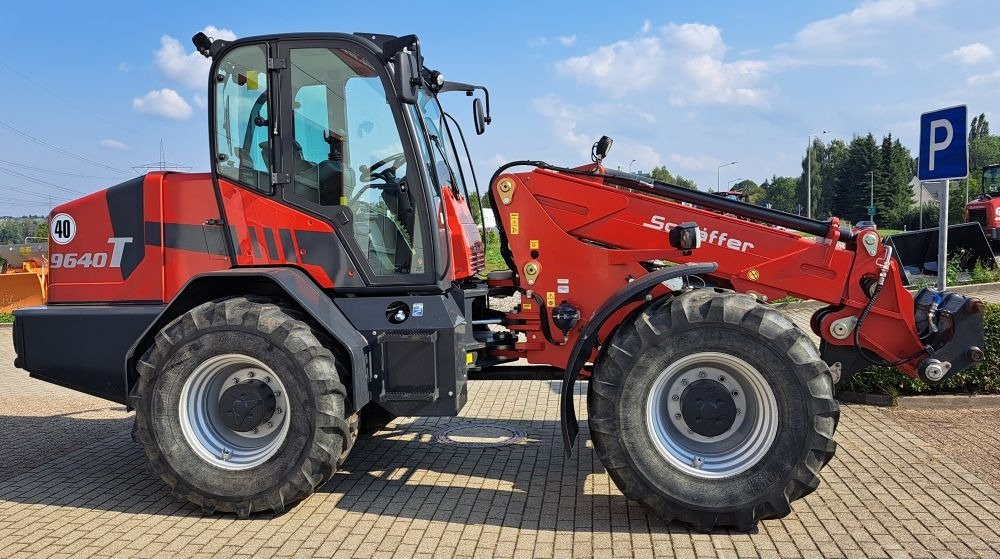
(592, 244)
(136, 211)
(257, 221)
(468, 255)
(989, 209)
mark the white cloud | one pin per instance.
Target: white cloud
(536, 42)
(200, 101)
(567, 41)
(692, 162)
(165, 103)
(843, 29)
(188, 68)
(983, 79)
(647, 26)
(563, 118)
(970, 54)
(113, 144)
(123, 67)
(686, 61)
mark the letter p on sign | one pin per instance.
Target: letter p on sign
(944, 148)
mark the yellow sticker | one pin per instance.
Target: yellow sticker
(525, 306)
(253, 80)
(25, 250)
(515, 225)
(469, 359)
(753, 275)
(550, 298)
(533, 243)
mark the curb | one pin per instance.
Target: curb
(6, 325)
(879, 400)
(949, 401)
(971, 289)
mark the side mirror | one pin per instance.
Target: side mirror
(407, 76)
(478, 117)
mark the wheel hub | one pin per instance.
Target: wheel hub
(708, 408)
(246, 406)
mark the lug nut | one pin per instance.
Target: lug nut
(722, 379)
(277, 410)
(675, 397)
(701, 374)
(738, 411)
(267, 379)
(736, 392)
(677, 416)
(684, 382)
(250, 374)
(269, 424)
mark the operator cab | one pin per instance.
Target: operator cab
(991, 180)
(349, 129)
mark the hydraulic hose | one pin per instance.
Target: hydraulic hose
(864, 314)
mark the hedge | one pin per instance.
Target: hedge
(983, 378)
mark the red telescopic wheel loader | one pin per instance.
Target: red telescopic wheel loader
(328, 271)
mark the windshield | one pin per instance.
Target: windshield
(991, 178)
(445, 161)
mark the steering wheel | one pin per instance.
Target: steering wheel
(368, 173)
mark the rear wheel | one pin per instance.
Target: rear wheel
(241, 408)
(712, 409)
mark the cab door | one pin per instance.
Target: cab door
(351, 156)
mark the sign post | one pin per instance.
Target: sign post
(944, 155)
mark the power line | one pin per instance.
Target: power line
(33, 193)
(40, 181)
(61, 173)
(41, 142)
(67, 101)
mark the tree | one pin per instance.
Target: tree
(477, 215)
(780, 193)
(851, 196)
(893, 193)
(980, 127)
(660, 173)
(820, 194)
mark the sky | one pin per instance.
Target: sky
(91, 89)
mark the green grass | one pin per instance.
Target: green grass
(6, 318)
(494, 261)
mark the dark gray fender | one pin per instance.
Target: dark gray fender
(267, 281)
(588, 337)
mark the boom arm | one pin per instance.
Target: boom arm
(601, 229)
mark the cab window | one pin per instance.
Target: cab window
(242, 142)
(348, 152)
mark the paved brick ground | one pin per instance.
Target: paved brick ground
(72, 483)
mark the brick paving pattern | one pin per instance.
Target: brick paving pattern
(970, 436)
(72, 483)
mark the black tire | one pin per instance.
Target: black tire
(318, 433)
(709, 320)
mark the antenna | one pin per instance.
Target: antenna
(161, 165)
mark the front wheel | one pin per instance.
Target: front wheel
(240, 407)
(712, 409)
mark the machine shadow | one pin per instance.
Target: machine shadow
(403, 471)
(400, 471)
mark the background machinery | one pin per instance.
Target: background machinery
(328, 271)
(23, 271)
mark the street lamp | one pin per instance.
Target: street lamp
(630, 165)
(809, 174)
(718, 173)
(871, 200)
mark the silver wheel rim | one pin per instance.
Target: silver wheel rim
(201, 421)
(727, 454)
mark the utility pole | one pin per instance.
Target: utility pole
(630, 165)
(718, 174)
(809, 174)
(871, 199)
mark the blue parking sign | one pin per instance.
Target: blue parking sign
(944, 146)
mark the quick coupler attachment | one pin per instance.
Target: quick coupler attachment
(951, 328)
